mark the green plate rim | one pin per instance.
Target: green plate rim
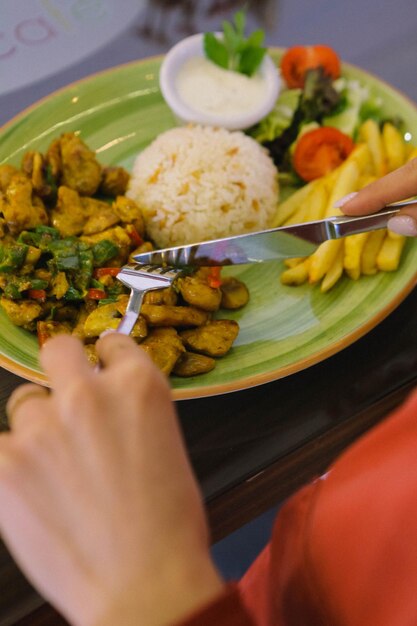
(270, 375)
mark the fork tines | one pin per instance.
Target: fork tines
(158, 269)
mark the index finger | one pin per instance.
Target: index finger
(113, 348)
(395, 186)
(63, 358)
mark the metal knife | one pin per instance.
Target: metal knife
(298, 240)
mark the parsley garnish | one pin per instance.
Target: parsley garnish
(233, 51)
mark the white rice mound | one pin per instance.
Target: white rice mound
(196, 183)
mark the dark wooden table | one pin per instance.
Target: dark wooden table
(254, 448)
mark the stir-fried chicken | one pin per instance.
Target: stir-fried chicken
(213, 339)
(61, 249)
(21, 209)
(80, 169)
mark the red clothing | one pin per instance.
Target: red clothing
(344, 548)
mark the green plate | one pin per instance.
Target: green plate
(283, 329)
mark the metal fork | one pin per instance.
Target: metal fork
(141, 279)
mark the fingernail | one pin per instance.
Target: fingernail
(403, 225)
(345, 200)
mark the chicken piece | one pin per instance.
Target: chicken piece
(53, 159)
(114, 181)
(34, 166)
(43, 273)
(6, 174)
(161, 296)
(80, 169)
(164, 347)
(213, 339)
(193, 364)
(59, 285)
(91, 353)
(48, 329)
(22, 312)
(106, 317)
(32, 257)
(68, 216)
(100, 216)
(129, 213)
(168, 315)
(118, 236)
(198, 293)
(146, 246)
(79, 328)
(21, 209)
(3, 224)
(234, 293)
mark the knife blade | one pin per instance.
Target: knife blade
(297, 240)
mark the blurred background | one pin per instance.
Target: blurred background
(46, 44)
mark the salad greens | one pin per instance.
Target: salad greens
(233, 51)
(323, 101)
(317, 99)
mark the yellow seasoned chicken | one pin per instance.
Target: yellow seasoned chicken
(80, 169)
(213, 339)
(68, 216)
(164, 347)
(21, 209)
(193, 364)
(22, 312)
(198, 292)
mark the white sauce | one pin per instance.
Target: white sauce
(210, 89)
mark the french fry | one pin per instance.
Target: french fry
(287, 208)
(389, 256)
(353, 252)
(369, 133)
(302, 213)
(322, 259)
(335, 272)
(346, 182)
(296, 275)
(366, 180)
(370, 251)
(317, 201)
(314, 207)
(365, 253)
(361, 155)
(294, 261)
(394, 147)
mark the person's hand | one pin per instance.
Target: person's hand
(398, 185)
(98, 503)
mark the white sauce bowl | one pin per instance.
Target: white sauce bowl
(193, 47)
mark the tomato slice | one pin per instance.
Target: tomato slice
(320, 151)
(106, 271)
(37, 294)
(137, 240)
(96, 294)
(299, 59)
(214, 278)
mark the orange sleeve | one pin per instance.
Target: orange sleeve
(226, 610)
(344, 548)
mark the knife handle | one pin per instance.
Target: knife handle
(343, 226)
